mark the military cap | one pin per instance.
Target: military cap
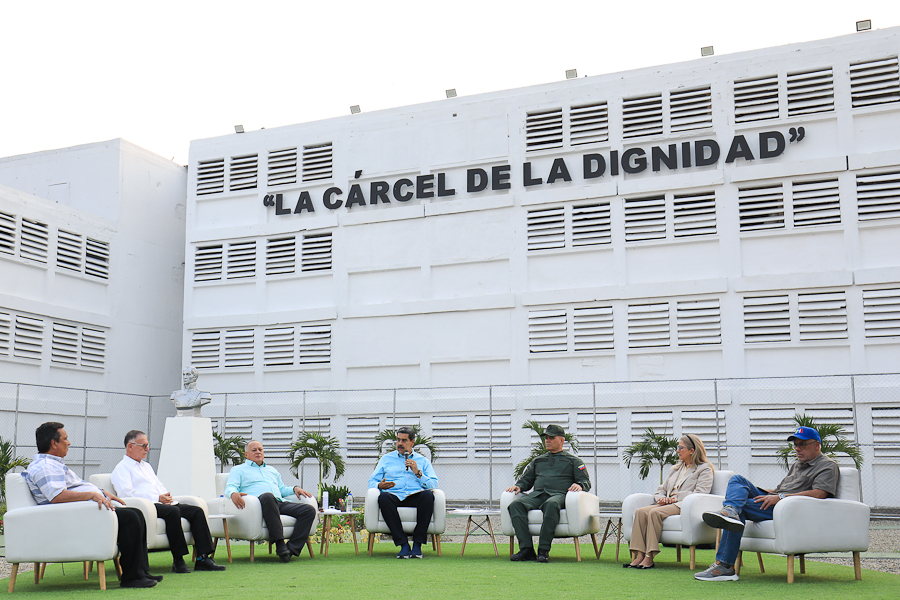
(554, 430)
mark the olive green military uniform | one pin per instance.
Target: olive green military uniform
(551, 475)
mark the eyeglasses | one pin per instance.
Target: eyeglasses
(799, 445)
(144, 446)
(682, 448)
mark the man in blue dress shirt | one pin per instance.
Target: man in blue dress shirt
(258, 479)
(405, 478)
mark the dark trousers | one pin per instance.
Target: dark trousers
(132, 541)
(424, 505)
(172, 515)
(549, 504)
(272, 510)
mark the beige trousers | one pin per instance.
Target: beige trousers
(647, 528)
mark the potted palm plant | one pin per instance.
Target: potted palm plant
(538, 447)
(652, 448)
(390, 435)
(834, 442)
(229, 451)
(325, 450)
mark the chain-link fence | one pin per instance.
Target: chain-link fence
(478, 430)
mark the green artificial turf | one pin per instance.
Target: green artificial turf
(476, 576)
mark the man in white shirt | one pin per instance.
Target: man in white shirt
(134, 477)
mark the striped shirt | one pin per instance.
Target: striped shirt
(48, 476)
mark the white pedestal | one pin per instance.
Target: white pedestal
(187, 465)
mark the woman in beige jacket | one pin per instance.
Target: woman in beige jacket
(693, 473)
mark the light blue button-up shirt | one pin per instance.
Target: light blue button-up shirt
(392, 467)
(256, 480)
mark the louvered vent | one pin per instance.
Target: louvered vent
(244, 172)
(278, 347)
(875, 82)
(4, 333)
(205, 349)
(561, 419)
(281, 255)
(69, 251)
(881, 311)
(282, 167)
(546, 228)
(7, 233)
(878, 196)
(588, 124)
(695, 214)
(597, 434)
(767, 319)
(591, 224)
(317, 162)
(886, 432)
(642, 116)
(360, 433)
(241, 260)
(823, 316)
(761, 207)
(316, 252)
(28, 337)
(318, 424)
(699, 322)
(314, 343)
(96, 261)
(547, 330)
(277, 435)
(210, 176)
(756, 99)
(239, 427)
(816, 202)
(767, 427)
(810, 92)
(93, 347)
(592, 328)
(238, 348)
(34, 242)
(544, 130)
(645, 218)
(64, 344)
(451, 433)
(648, 325)
(208, 263)
(493, 436)
(690, 109)
(660, 422)
(709, 426)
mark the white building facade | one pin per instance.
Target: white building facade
(730, 217)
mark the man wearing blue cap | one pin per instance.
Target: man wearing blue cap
(814, 474)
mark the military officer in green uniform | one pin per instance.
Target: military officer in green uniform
(551, 474)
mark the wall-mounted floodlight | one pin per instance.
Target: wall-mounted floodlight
(355, 110)
(864, 25)
(707, 51)
(451, 93)
(239, 129)
(571, 73)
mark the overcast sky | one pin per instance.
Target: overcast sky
(162, 73)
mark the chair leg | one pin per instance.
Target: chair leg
(371, 542)
(857, 568)
(433, 542)
(309, 546)
(438, 536)
(737, 564)
(86, 569)
(12, 577)
(577, 550)
(37, 573)
(790, 568)
(762, 567)
(693, 557)
(512, 541)
(677, 552)
(596, 550)
(803, 564)
(252, 551)
(270, 546)
(118, 565)
(101, 571)
(43, 569)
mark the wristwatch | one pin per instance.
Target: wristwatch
(781, 496)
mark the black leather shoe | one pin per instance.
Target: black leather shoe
(543, 556)
(179, 566)
(156, 578)
(143, 582)
(523, 554)
(283, 553)
(206, 563)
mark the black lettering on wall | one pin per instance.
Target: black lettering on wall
(527, 179)
(657, 156)
(739, 149)
(634, 160)
(701, 159)
(559, 170)
(279, 208)
(304, 202)
(378, 192)
(425, 186)
(476, 180)
(767, 136)
(594, 165)
(355, 196)
(500, 178)
(328, 202)
(399, 196)
(443, 190)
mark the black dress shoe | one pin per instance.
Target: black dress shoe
(179, 566)
(153, 577)
(283, 553)
(630, 566)
(645, 566)
(543, 556)
(523, 554)
(206, 563)
(143, 582)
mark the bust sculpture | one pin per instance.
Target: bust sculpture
(188, 401)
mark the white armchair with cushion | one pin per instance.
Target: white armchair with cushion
(375, 522)
(55, 533)
(803, 525)
(578, 518)
(247, 523)
(156, 527)
(688, 528)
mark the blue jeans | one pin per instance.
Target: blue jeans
(740, 494)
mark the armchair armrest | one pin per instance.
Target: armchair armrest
(631, 503)
(693, 529)
(505, 521)
(147, 508)
(372, 513)
(194, 501)
(243, 523)
(804, 524)
(66, 532)
(580, 510)
(440, 510)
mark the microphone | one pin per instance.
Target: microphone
(407, 458)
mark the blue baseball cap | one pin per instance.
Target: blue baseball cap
(805, 433)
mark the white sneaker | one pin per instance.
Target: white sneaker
(727, 519)
(717, 572)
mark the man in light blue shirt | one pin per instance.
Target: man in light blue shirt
(256, 478)
(405, 478)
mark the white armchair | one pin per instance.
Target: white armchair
(802, 525)
(375, 522)
(156, 527)
(579, 517)
(248, 523)
(55, 533)
(688, 528)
